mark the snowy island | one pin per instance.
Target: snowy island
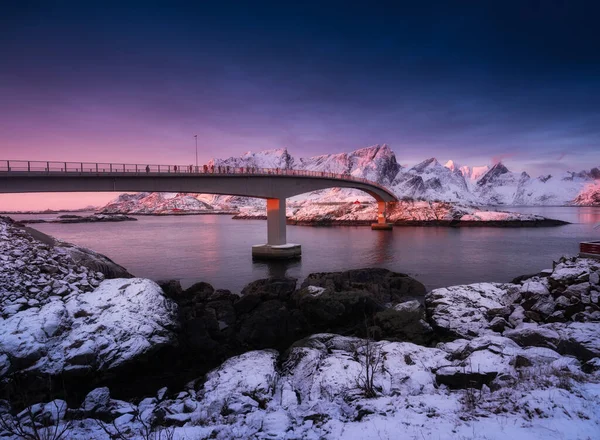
(362, 354)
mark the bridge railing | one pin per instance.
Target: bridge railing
(93, 168)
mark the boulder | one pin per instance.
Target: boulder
(331, 310)
(579, 339)
(531, 335)
(385, 287)
(99, 405)
(271, 288)
(405, 323)
(120, 323)
(271, 324)
(466, 311)
(477, 362)
(199, 291)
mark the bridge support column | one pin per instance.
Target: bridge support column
(382, 224)
(277, 246)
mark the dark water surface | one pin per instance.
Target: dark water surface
(217, 249)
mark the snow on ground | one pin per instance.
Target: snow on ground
(486, 388)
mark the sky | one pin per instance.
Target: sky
(473, 81)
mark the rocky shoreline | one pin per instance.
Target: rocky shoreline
(537, 223)
(163, 214)
(403, 213)
(331, 358)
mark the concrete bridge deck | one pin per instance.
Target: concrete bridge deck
(274, 185)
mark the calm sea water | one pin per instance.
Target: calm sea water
(217, 249)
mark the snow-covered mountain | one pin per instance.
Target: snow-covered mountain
(590, 196)
(432, 181)
(376, 163)
(156, 203)
(429, 180)
(471, 174)
(279, 158)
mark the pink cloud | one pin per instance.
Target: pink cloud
(500, 157)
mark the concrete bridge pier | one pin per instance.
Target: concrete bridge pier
(277, 246)
(382, 224)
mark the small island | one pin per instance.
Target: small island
(72, 218)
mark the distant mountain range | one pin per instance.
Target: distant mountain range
(429, 180)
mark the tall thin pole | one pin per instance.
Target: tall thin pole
(196, 137)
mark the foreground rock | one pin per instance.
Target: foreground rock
(321, 388)
(33, 271)
(122, 321)
(558, 309)
(272, 313)
(58, 317)
(27, 252)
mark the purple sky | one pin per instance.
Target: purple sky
(475, 82)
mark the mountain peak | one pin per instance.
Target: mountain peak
(495, 172)
(432, 161)
(451, 165)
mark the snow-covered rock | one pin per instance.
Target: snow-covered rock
(468, 311)
(558, 309)
(121, 321)
(35, 271)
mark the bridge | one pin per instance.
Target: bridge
(274, 185)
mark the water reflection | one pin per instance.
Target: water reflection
(383, 249)
(277, 268)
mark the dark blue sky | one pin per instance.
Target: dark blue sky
(472, 81)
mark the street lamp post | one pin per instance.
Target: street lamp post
(196, 137)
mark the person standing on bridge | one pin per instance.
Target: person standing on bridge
(147, 168)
